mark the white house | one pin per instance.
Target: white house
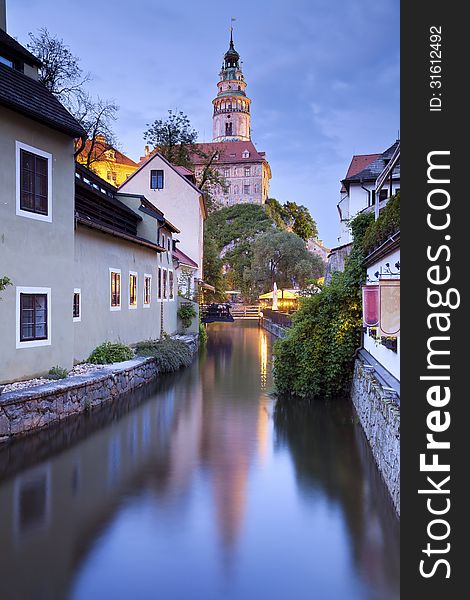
(171, 190)
(359, 187)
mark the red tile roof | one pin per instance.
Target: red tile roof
(99, 152)
(229, 152)
(358, 163)
(184, 258)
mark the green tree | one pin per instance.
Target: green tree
(4, 282)
(173, 137)
(281, 257)
(213, 268)
(316, 358)
(293, 217)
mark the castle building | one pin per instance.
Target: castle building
(107, 162)
(245, 170)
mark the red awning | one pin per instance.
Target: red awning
(370, 305)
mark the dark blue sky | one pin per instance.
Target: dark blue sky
(323, 76)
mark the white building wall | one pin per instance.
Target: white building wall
(178, 200)
(387, 358)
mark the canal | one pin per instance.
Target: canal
(199, 487)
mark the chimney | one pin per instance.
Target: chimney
(146, 151)
(3, 15)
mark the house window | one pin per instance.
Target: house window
(77, 305)
(245, 153)
(33, 183)
(33, 315)
(132, 290)
(156, 179)
(171, 284)
(115, 289)
(165, 293)
(247, 171)
(168, 242)
(256, 188)
(246, 188)
(227, 172)
(159, 284)
(235, 189)
(163, 241)
(147, 290)
(383, 195)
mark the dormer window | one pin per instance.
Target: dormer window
(245, 154)
(6, 61)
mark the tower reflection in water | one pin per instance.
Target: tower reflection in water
(171, 476)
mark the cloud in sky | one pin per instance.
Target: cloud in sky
(323, 76)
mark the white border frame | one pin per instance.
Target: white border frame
(47, 155)
(33, 343)
(145, 304)
(133, 306)
(111, 307)
(79, 292)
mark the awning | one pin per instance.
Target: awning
(370, 305)
(389, 292)
(206, 286)
(281, 295)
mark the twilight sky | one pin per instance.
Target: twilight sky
(323, 76)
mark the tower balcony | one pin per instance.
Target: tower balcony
(219, 111)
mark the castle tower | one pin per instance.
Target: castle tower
(231, 118)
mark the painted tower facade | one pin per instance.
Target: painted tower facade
(231, 118)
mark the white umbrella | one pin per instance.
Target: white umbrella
(275, 296)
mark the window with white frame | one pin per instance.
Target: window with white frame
(33, 312)
(115, 289)
(147, 290)
(77, 305)
(33, 183)
(247, 171)
(132, 289)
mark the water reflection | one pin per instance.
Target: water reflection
(197, 488)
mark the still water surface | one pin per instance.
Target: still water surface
(197, 487)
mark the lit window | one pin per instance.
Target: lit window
(147, 290)
(115, 288)
(77, 305)
(132, 290)
(227, 172)
(156, 179)
(171, 284)
(247, 171)
(165, 292)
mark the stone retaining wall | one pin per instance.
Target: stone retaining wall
(273, 328)
(379, 415)
(31, 409)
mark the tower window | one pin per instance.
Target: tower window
(228, 128)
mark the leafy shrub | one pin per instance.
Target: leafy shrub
(110, 352)
(57, 373)
(186, 313)
(171, 354)
(202, 334)
(316, 357)
(386, 225)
